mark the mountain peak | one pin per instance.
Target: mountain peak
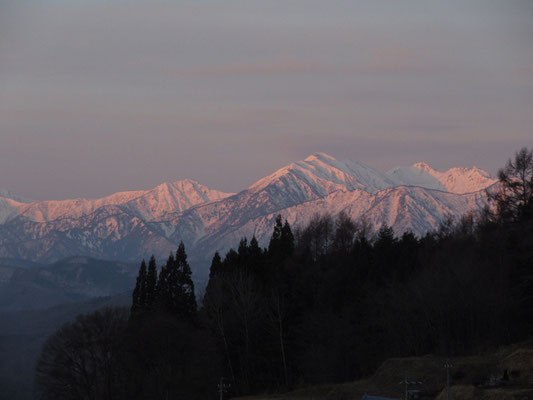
(135, 224)
(457, 180)
(9, 195)
(321, 174)
(320, 156)
(423, 166)
(187, 181)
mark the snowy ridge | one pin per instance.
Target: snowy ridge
(9, 195)
(414, 209)
(147, 204)
(171, 198)
(132, 225)
(49, 210)
(457, 180)
(324, 174)
(9, 208)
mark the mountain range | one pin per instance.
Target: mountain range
(128, 226)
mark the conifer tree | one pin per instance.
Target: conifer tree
(163, 288)
(254, 249)
(151, 284)
(215, 272)
(216, 266)
(231, 259)
(175, 288)
(286, 240)
(385, 236)
(139, 293)
(185, 298)
(274, 246)
(385, 254)
(243, 249)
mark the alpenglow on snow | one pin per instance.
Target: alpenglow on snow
(130, 225)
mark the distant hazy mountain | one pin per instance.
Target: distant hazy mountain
(65, 281)
(35, 300)
(23, 333)
(131, 225)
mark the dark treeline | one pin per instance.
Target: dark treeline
(323, 303)
(156, 350)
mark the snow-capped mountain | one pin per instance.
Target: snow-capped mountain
(130, 225)
(10, 204)
(321, 174)
(9, 208)
(146, 204)
(455, 180)
(6, 194)
(405, 208)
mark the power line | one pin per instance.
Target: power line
(223, 388)
(410, 393)
(448, 365)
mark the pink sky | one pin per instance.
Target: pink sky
(100, 96)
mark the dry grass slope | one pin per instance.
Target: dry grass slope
(475, 377)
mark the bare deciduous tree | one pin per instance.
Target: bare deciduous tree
(77, 362)
(515, 195)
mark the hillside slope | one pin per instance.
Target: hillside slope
(473, 378)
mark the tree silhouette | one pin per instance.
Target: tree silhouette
(175, 288)
(139, 293)
(185, 297)
(79, 361)
(515, 195)
(274, 246)
(151, 284)
(166, 282)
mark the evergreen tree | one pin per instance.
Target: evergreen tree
(385, 256)
(255, 251)
(216, 266)
(185, 299)
(408, 261)
(286, 240)
(215, 272)
(362, 257)
(231, 260)
(175, 288)
(274, 246)
(281, 243)
(385, 236)
(139, 293)
(151, 284)
(163, 288)
(243, 250)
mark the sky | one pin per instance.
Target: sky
(102, 96)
